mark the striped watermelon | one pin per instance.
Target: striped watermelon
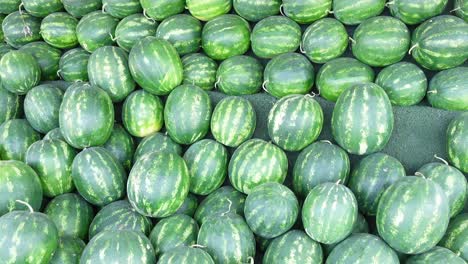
(119, 215)
(98, 176)
(324, 40)
(299, 74)
(412, 215)
(161, 9)
(184, 254)
(457, 145)
(360, 226)
(436, 255)
(199, 70)
(96, 30)
(271, 209)
(207, 162)
(46, 56)
(169, 177)
(256, 162)
(86, 116)
(71, 214)
(68, 251)
(447, 89)
(54, 134)
(239, 75)
(461, 9)
(414, 12)
(371, 177)
(223, 200)
(9, 6)
(145, 55)
(20, 72)
(187, 114)
(339, 74)
(205, 10)
(233, 121)
(356, 12)
(293, 247)
(79, 8)
(392, 36)
(440, 43)
(334, 224)
(16, 135)
(41, 107)
(42, 8)
(189, 206)
(456, 237)
(133, 28)
(112, 246)
(306, 11)
(121, 145)
(318, 163)
(275, 35)
(21, 28)
(362, 121)
(10, 105)
(121, 8)
(295, 121)
(256, 10)
(73, 65)
(157, 142)
(18, 181)
(182, 31)
(58, 30)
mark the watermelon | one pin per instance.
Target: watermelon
(9, 6)
(233, 121)
(121, 8)
(27, 237)
(10, 105)
(184, 254)
(256, 162)
(275, 35)
(412, 215)
(161, 9)
(189, 206)
(187, 114)
(58, 30)
(360, 226)
(293, 247)
(295, 121)
(324, 40)
(207, 163)
(414, 12)
(371, 177)
(224, 200)
(456, 237)
(46, 56)
(392, 36)
(79, 8)
(21, 28)
(20, 72)
(289, 73)
(73, 65)
(256, 10)
(157, 142)
(4, 48)
(68, 251)
(440, 43)
(148, 53)
(133, 28)
(461, 9)
(54, 134)
(205, 10)
(16, 135)
(96, 30)
(227, 239)
(404, 82)
(121, 145)
(239, 75)
(112, 246)
(18, 181)
(98, 176)
(42, 8)
(306, 11)
(182, 31)
(364, 127)
(169, 178)
(119, 215)
(271, 209)
(339, 74)
(448, 89)
(71, 214)
(41, 107)
(318, 163)
(336, 223)
(457, 144)
(436, 255)
(360, 249)
(356, 12)
(199, 70)
(86, 116)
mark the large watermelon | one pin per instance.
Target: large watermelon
(121, 8)
(182, 31)
(161, 9)
(59, 30)
(157, 142)
(199, 70)
(20, 72)
(457, 142)
(133, 28)
(456, 237)
(448, 89)
(41, 107)
(414, 12)
(306, 11)
(184, 254)
(46, 56)
(256, 10)
(10, 105)
(42, 8)
(21, 28)
(73, 65)
(121, 145)
(79, 8)
(208, 9)
(142, 113)
(68, 251)
(223, 200)
(357, 11)
(239, 75)
(96, 30)
(16, 135)
(436, 255)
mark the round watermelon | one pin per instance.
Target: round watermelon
(46, 56)
(414, 12)
(189, 206)
(96, 30)
(447, 89)
(357, 11)
(59, 30)
(306, 11)
(256, 10)
(184, 254)
(182, 31)
(41, 107)
(142, 113)
(10, 105)
(133, 28)
(16, 135)
(20, 72)
(161, 9)
(121, 8)
(157, 142)
(239, 75)
(79, 8)
(121, 145)
(456, 237)
(73, 65)
(42, 8)
(436, 255)
(68, 251)
(199, 70)
(205, 10)
(457, 144)
(20, 28)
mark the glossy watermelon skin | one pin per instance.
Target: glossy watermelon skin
(9, 6)
(86, 116)
(133, 28)
(199, 70)
(41, 107)
(79, 8)
(42, 8)
(184, 254)
(461, 9)
(364, 131)
(25, 183)
(306, 11)
(415, 12)
(356, 12)
(46, 56)
(16, 135)
(169, 175)
(73, 65)
(68, 251)
(415, 204)
(71, 214)
(10, 105)
(457, 144)
(239, 75)
(15, 24)
(234, 121)
(256, 10)
(436, 255)
(456, 236)
(95, 30)
(206, 10)
(142, 113)
(182, 31)
(121, 145)
(161, 9)
(189, 206)
(58, 30)
(157, 142)
(121, 8)
(20, 73)
(447, 89)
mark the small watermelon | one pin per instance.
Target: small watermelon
(68, 251)
(436, 255)
(16, 135)
(121, 8)
(96, 30)
(457, 144)
(306, 11)
(133, 28)
(239, 75)
(199, 70)
(73, 65)
(41, 107)
(157, 142)
(205, 10)
(357, 11)
(20, 28)
(182, 31)
(142, 113)
(20, 72)
(414, 12)
(59, 30)
(46, 56)
(79, 8)
(256, 10)
(189, 206)
(456, 237)
(161, 9)
(184, 254)
(448, 89)
(121, 145)
(42, 8)
(10, 105)
(224, 200)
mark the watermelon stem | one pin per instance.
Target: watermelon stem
(112, 37)
(338, 182)
(456, 9)
(229, 208)
(419, 174)
(301, 48)
(104, 8)
(326, 141)
(330, 12)
(147, 17)
(197, 246)
(281, 10)
(59, 74)
(217, 82)
(26, 204)
(432, 91)
(264, 86)
(20, 7)
(352, 40)
(413, 47)
(388, 4)
(251, 260)
(441, 159)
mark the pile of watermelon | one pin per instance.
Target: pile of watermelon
(128, 132)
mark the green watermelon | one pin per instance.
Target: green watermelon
(436, 255)
(98, 176)
(357, 11)
(184, 254)
(157, 142)
(21, 28)
(71, 214)
(121, 145)
(334, 224)
(360, 226)
(189, 206)
(306, 11)
(371, 177)
(73, 65)
(4, 48)
(18, 181)
(362, 121)
(151, 60)
(224, 200)
(448, 89)
(79, 8)
(412, 215)
(42, 8)
(133, 28)
(239, 75)
(9, 6)
(121, 8)
(199, 70)
(339, 74)
(256, 10)
(295, 121)
(41, 107)
(16, 135)
(86, 116)
(289, 73)
(10, 105)
(461, 9)
(456, 237)
(413, 12)
(256, 162)
(457, 144)
(207, 162)
(161, 9)
(46, 56)
(187, 114)
(205, 10)
(96, 30)
(169, 178)
(68, 251)
(233, 121)
(54, 134)
(182, 31)
(58, 30)
(20, 72)
(225, 36)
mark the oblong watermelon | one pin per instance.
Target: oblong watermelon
(184, 254)
(20, 72)
(199, 70)
(157, 142)
(73, 65)
(41, 107)
(456, 237)
(447, 89)
(436, 255)
(306, 11)
(68, 251)
(121, 145)
(96, 30)
(79, 8)
(16, 135)
(142, 113)
(59, 30)
(42, 8)
(121, 8)
(205, 10)
(10, 105)
(239, 75)
(46, 56)
(457, 145)
(357, 11)
(161, 9)
(133, 28)
(20, 28)
(182, 31)
(256, 10)
(223, 200)
(414, 12)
